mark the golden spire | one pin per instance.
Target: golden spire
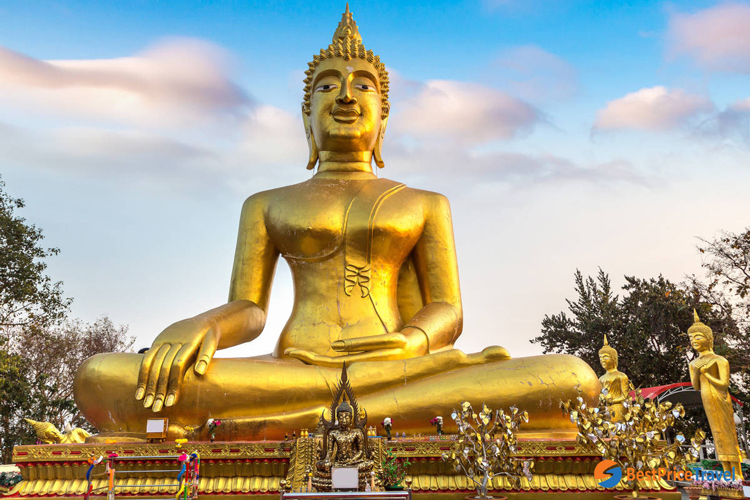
(607, 349)
(347, 28)
(699, 326)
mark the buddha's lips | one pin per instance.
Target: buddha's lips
(345, 115)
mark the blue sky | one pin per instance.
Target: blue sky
(566, 134)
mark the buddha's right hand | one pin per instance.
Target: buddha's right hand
(175, 349)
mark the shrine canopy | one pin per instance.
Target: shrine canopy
(680, 392)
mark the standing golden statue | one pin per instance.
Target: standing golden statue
(615, 384)
(376, 286)
(709, 374)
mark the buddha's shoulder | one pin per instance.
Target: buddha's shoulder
(420, 194)
(262, 199)
(428, 199)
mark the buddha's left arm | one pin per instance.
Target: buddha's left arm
(722, 381)
(441, 319)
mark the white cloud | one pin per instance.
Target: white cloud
(532, 73)
(717, 38)
(445, 166)
(655, 108)
(465, 112)
(268, 143)
(176, 82)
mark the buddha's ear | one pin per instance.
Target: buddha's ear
(378, 151)
(313, 148)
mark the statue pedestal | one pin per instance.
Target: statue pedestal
(230, 470)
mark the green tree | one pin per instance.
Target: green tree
(52, 356)
(27, 295)
(647, 325)
(15, 397)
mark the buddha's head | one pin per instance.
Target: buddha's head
(344, 414)
(345, 108)
(608, 356)
(701, 336)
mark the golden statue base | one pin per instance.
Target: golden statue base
(239, 469)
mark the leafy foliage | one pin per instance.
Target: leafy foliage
(27, 295)
(633, 442)
(393, 470)
(647, 326)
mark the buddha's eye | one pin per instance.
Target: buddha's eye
(366, 87)
(326, 87)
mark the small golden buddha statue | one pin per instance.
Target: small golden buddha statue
(614, 383)
(709, 374)
(376, 286)
(345, 446)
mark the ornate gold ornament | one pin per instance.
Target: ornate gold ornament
(634, 440)
(486, 446)
(345, 442)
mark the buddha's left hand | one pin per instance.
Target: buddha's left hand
(408, 343)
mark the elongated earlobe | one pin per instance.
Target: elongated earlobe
(313, 148)
(378, 151)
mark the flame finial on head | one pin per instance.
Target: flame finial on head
(347, 28)
(607, 349)
(700, 327)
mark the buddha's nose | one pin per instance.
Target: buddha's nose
(345, 95)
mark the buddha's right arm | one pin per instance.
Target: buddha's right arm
(195, 340)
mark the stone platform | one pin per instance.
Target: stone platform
(240, 469)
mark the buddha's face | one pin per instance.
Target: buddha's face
(345, 105)
(345, 420)
(606, 361)
(700, 342)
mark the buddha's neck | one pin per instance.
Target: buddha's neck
(706, 352)
(348, 165)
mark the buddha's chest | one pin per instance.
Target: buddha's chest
(314, 222)
(610, 381)
(346, 441)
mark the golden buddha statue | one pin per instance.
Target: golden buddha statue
(376, 286)
(709, 374)
(614, 383)
(345, 441)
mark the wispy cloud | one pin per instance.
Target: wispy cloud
(534, 74)
(445, 166)
(731, 124)
(717, 38)
(176, 82)
(654, 108)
